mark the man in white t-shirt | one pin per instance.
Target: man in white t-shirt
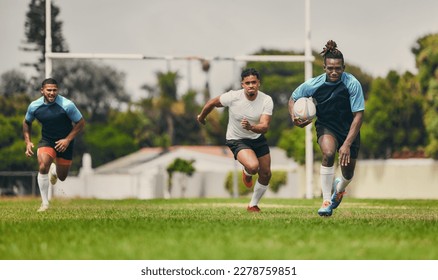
(250, 112)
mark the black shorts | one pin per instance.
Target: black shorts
(259, 146)
(67, 154)
(354, 148)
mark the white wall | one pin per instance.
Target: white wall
(404, 178)
(392, 179)
(397, 179)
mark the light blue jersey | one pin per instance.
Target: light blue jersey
(335, 102)
(56, 118)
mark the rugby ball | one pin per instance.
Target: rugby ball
(304, 108)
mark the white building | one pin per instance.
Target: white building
(143, 175)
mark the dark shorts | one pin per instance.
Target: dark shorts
(259, 146)
(354, 148)
(67, 154)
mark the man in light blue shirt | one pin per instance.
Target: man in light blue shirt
(340, 106)
(61, 121)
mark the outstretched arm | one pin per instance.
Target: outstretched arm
(344, 150)
(27, 128)
(208, 107)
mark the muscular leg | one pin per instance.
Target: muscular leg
(249, 160)
(265, 169)
(262, 183)
(347, 175)
(62, 168)
(348, 170)
(327, 144)
(44, 161)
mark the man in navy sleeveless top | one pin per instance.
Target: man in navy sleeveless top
(340, 106)
(61, 122)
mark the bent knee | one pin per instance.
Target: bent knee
(43, 169)
(329, 155)
(252, 169)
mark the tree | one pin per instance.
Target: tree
(107, 142)
(95, 88)
(292, 140)
(164, 102)
(35, 30)
(394, 117)
(426, 57)
(187, 129)
(180, 165)
(136, 124)
(376, 133)
(12, 82)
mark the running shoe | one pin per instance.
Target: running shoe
(247, 180)
(336, 196)
(254, 208)
(43, 208)
(326, 209)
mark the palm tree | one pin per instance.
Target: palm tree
(163, 98)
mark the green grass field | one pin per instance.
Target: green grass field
(218, 229)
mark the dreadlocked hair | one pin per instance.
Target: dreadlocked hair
(331, 51)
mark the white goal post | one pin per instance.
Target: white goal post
(307, 58)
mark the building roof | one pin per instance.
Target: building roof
(145, 155)
(205, 158)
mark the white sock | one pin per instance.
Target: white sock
(43, 183)
(327, 175)
(343, 184)
(259, 191)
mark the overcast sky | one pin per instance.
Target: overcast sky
(376, 35)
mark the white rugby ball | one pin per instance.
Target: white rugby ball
(304, 108)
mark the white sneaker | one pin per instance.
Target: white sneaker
(52, 174)
(43, 208)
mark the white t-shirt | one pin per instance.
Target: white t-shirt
(240, 107)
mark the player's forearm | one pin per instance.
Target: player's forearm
(206, 110)
(354, 128)
(27, 132)
(208, 107)
(259, 128)
(263, 126)
(79, 126)
(291, 108)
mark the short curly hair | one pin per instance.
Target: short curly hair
(249, 72)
